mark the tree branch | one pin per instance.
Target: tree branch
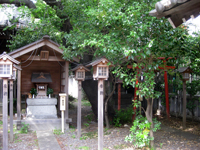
(28, 3)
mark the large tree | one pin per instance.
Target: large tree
(121, 30)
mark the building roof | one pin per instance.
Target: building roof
(80, 66)
(177, 11)
(6, 56)
(45, 41)
(184, 69)
(98, 61)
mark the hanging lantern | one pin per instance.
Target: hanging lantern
(185, 71)
(8, 67)
(80, 72)
(100, 68)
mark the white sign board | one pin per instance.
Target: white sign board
(62, 101)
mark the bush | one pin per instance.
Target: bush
(140, 130)
(24, 128)
(123, 116)
(71, 98)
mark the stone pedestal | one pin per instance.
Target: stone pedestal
(38, 108)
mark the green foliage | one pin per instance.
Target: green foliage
(123, 116)
(49, 91)
(192, 89)
(71, 98)
(84, 148)
(1, 122)
(33, 91)
(57, 131)
(85, 102)
(86, 124)
(73, 136)
(140, 130)
(24, 128)
(89, 135)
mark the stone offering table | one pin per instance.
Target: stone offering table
(41, 108)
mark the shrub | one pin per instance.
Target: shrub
(140, 130)
(24, 128)
(123, 116)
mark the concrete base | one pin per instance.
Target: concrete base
(41, 108)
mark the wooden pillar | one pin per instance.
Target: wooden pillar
(100, 114)
(11, 110)
(79, 110)
(184, 104)
(66, 91)
(166, 94)
(5, 114)
(119, 96)
(18, 99)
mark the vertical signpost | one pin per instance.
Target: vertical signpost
(6, 72)
(185, 71)
(62, 108)
(79, 76)
(100, 73)
(5, 114)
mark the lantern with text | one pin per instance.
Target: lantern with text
(80, 72)
(100, 73)
(7, 72)
(100, 68)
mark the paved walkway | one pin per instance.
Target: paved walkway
(47, 140)
(44, 131)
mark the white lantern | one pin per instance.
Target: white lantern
(8, 66)
(100, 68)
(80, 72)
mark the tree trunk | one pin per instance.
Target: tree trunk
(149, 118)
(106, 105)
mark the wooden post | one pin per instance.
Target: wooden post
(19, 99)
(79, 109)
(100, 114)
(119, 96)
(66, 91)
(166, 94)
(5, 114)
(11, 110)
(63, 121)
(184, 104)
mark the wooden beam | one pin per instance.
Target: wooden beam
(11, 110)
(183, 7)
(66, 91)
(184, 104)
(37, 58)
(26, 49)
(79, 109)
(18, 99)
(5, 114)
(100, 114)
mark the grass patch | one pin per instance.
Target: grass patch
(89, 135)
(84, 148)
(57, 131)
(85, 103)
(121, 146)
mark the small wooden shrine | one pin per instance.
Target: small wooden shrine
(42, 67)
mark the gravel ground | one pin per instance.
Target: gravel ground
(171, 136)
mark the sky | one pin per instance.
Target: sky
(194, 24)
